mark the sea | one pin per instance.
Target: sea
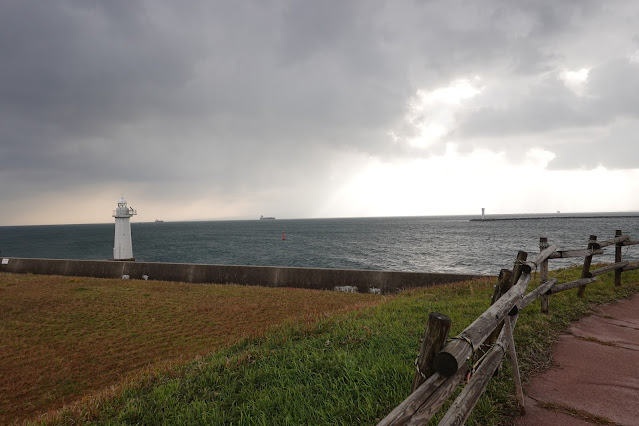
(445, 244)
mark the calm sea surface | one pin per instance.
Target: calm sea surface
(425, 244)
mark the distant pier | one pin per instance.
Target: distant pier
(552, 217)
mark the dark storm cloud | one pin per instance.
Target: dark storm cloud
(252, 94)
(102, 80)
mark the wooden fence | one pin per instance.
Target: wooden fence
(442, 364)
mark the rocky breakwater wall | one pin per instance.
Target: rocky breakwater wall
(269, 276)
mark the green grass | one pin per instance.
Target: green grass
(64, 338)
(351, 368)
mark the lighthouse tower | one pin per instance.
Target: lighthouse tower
(122, 247)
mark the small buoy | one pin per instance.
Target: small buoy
(283, 236)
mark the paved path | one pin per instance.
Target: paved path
(596, 377)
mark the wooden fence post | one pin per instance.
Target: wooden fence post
(618, 271)
(515, 364)
(585, 271)
(435, 338)
(543, 275)
(504, 282)
(520, 262)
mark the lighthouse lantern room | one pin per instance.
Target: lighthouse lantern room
(122, 247)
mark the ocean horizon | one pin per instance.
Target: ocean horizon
(445, 244)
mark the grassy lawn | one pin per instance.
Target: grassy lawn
(349, 368)
(67, 337)
(150, 353)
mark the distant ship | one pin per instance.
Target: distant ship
(266, 218)
(158, 221)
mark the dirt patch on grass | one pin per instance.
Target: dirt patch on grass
(63, 337)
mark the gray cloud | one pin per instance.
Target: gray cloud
(617, 148)
(238, 97)
(548, 109)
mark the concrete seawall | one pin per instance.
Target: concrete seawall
(267, 276)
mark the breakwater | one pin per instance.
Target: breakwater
(268, 276)
(493, 219)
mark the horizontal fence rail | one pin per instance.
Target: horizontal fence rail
(443, 367)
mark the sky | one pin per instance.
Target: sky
(206, 110)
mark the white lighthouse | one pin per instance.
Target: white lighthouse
(122, 247)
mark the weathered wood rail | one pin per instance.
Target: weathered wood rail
(442, 366)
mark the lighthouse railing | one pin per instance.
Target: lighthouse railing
(125, 212)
